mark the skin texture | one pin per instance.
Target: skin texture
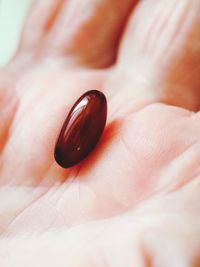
(135, 200)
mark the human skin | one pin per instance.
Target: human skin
(135, 200)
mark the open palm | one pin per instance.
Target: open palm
(135, 200)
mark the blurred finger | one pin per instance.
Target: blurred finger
(8, 104)
(39, 21)
(86, 33)
(161, 51)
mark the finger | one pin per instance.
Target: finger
(162, 52)
(39, 21)
(88, 33)
(8, 104)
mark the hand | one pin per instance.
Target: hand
(135, 200)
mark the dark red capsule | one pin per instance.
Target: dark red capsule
(82, 129)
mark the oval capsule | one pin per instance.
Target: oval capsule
(82, 129)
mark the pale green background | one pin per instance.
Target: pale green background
(12, 14)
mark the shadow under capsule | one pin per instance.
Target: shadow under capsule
(111, 130)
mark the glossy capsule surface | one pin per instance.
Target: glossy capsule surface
(82, 129)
